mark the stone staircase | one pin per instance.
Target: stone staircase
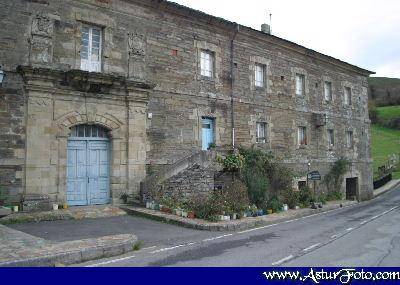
(200, 159)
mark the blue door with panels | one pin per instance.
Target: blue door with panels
(88, 179)
(207, 133)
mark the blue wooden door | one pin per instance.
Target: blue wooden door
(76, 174)
(98, 177)
(207, 133)
(88, 179)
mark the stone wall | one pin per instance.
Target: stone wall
(160, 42)
(196, 181)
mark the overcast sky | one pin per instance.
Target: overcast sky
(362, 32)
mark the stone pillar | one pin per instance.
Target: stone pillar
(137, 145)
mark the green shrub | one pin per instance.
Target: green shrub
(334, 179)
(291, 198)
(232, 162)
(305, 196)
(334, 196)
(275, 204)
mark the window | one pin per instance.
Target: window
(207, 64)
(88, 131)
(349, 139)
(299, 84)
(259, 75)
(331, 138)
(261, 132)
(91, 49)
(302, 136)
(328, 91)
(347, 96)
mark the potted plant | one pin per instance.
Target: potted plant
(55, 207)
(191, 215)
(124, 197)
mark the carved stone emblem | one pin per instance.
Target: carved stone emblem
(41, 42)
(136, 44)
(42, 26)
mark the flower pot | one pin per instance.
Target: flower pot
(191, 215)
(184, 214)
(270, 211)
(15, 209)
(55, 207)
(285, 208)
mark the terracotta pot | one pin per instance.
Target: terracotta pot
(191, 215)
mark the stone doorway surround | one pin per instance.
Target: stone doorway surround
(58, 100)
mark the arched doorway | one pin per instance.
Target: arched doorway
(88, 175)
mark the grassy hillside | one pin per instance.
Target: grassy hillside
(384, 91)
(390, 112)
(385, 141)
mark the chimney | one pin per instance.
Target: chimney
(265, 28)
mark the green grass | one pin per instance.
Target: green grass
(390, 112)
(384, 143)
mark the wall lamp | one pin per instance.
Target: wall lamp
(2, 76)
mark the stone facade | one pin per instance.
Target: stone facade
(151, 95)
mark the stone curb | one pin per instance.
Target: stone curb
(378, 193)
(243, 224)
(77, 256)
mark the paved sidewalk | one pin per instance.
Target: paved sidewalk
(21, 249)
(387, 187)
(242, 224)
(73, 213)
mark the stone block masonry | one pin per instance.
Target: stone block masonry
(148, 91)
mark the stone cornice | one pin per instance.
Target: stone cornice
(83, 82)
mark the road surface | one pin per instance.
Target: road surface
(367, 234)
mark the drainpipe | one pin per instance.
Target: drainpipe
(233, 84)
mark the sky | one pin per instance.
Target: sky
(365, 33)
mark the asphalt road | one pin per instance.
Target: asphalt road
(367, 234)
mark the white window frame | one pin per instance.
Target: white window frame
(261, 132)
(88, 64)
(259, 75)
(207, 59)
(328, 92)
(300, 84)
(350, 139)
(302, 136)
(330, 135)
(347, 96)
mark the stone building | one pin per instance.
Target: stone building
(101, 94)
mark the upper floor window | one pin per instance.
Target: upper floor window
(300, 84)
(259, 76)
(328, 91)
(261, 132)
(91, 49)
(207, 63)
(347, 96)
(302, 136)
(331, 137)
(349, 139)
